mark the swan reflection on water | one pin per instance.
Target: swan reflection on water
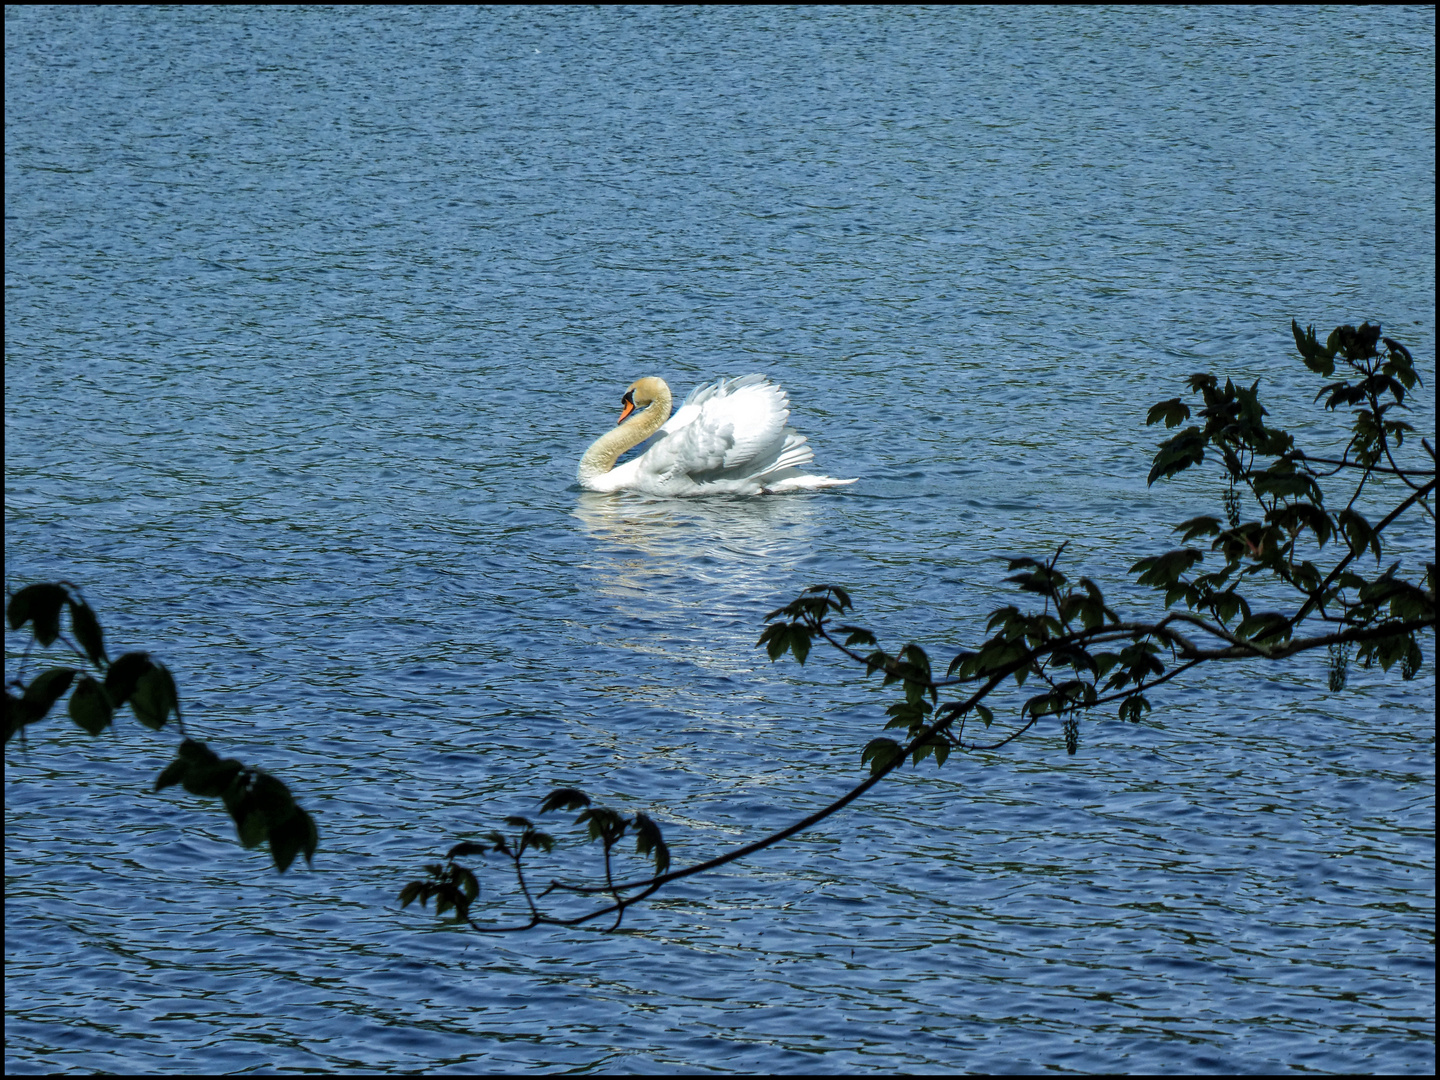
(651, 546)
(690, 580)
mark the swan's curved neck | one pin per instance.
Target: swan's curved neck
(604, 451)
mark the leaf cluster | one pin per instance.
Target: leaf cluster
(793, 627)
(1290, 524)
(262, 807)
(1084, 655)
(133, 679)
(1055, 646)
(454, 886)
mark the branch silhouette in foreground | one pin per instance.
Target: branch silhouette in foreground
(1278, 538)
(261, 806)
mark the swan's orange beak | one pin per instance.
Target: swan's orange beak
(629, 402)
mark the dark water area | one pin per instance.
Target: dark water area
(311, 313)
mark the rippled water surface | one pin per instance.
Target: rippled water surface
(310, 314)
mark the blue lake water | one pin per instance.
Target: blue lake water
(309, 316)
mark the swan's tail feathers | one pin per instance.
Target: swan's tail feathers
(785, 475)
(796, 452)
(805, 483)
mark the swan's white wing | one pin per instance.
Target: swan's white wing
(695, 448)
(741, 419)
(684, 417)
(702, 397)
(755, 412)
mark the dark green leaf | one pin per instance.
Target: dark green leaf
(466, 847)
(1198, 526)
(154, 697)
(44, 690)
(200, 770)
(124, 673)
(1412, 660)
(924, 749)
(172, 774)
(1133, 707)
(1162, 571)
(1316, 357)
(960, 658)
(1358, 532)
(257, 806)
(87, 631)
(603, 823)
(1397, 350)
(880, 753)
(1024, 562)
(1040, 705)
(799, 645)
(90, 707)
(776, 640)
(1177, 454)
(1272, 482)
(1201, 382)
(1174, 412)
(448, 897)
(295, 833)
(648, 840)
(1264, 626)
(1037, 582)
(917, 657)
(214, 781)
(1342, 394)
(40, 605)
(566, 798)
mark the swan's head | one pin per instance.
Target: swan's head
(640, 394)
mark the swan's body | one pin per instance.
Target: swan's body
(729, 438)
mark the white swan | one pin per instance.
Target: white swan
(729, 438)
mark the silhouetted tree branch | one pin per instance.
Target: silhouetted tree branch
(261, 806)
(1077, 653)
